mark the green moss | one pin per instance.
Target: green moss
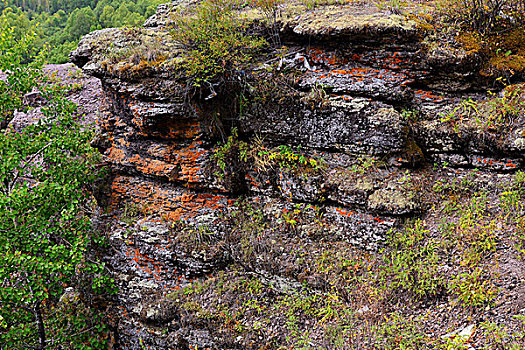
(515, 63)
(505, 52)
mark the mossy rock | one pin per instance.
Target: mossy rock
(394, 200)
(125, 52)
(505, 52)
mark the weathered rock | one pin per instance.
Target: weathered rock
(348, 125)
(303, 187)
(84, 91)
(174, 202)
(346, 103)
(162, 15)
(159, 312)
(378, 84)
(352, 23)
(480, 138)
(350, 188)
(393, 200)
(125, 53)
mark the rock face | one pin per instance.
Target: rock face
(84, 91)
(369, 104)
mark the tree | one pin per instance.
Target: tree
(45, 172)
(106, 17)
(80, 22)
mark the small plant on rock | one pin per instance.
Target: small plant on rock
(218, 47)
(229, 153)
(413, 263)
(483, 15)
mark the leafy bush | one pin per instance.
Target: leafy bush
(21, 76)
(45, 171)
(218, 46)
(230, 153)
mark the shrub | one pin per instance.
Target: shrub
(20, 63)
(45, 172)
(270, 8)
(218, 47)
(484, 15)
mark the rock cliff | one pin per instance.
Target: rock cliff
(368, 132)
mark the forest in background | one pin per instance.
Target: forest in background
(60, 24)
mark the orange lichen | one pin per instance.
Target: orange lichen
(174, 203)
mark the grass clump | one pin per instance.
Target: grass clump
(494, 114)
(413, 264)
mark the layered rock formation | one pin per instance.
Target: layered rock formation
(366, 121)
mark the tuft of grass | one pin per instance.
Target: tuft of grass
(411, 265)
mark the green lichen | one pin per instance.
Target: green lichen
(394, 200)
(130, 51)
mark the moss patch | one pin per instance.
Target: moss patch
(505, 52)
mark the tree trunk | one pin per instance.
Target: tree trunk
(40, 323)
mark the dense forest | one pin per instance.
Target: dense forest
(61, 23)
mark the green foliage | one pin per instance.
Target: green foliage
(310, 4)
(511, 204)
(61, 23)
(21, 63)
(80, 22)
(413, 263)
(410, 115)
(45, 172)
(248, 225)
(230, 153)
(492, 114)
(519, 182)
(398, 332)
(364, 165)
(473, 288)
(386, 300)
(285, 156)
(131, 213)
(218, 47)
(500, 337)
